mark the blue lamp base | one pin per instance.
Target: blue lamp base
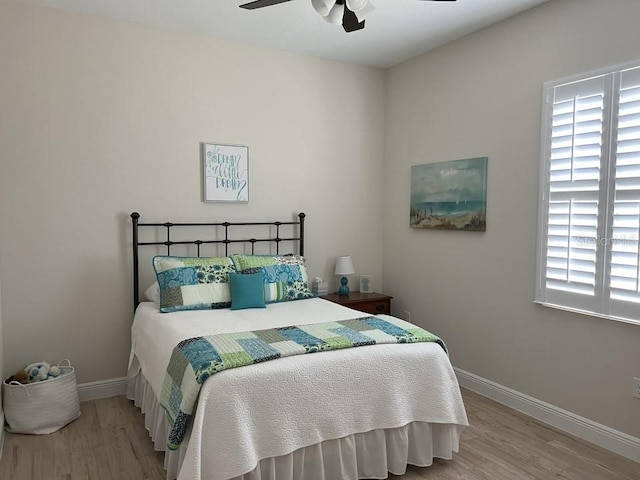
(343, 291)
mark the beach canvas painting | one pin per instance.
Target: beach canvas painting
(450, 195)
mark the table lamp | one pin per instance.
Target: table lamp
(344, 267)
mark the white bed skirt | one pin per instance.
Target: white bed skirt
(360, 456)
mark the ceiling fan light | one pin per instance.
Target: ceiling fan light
(355, 5)
(335, 14)
(364, 11)
(323, 7)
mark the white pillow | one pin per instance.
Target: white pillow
(153, 293)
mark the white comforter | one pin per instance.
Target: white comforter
(274, 408)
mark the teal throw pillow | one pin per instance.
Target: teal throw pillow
(247, 291)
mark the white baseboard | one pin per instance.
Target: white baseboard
(581, 427)
(102, 389)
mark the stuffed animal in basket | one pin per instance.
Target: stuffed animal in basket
(21, 376)
(40, 371)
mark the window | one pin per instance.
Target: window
(589, 223)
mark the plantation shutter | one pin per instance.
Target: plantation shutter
(624, 251)
(573, 213)
(589, 215)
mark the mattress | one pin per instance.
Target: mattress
(276, 409)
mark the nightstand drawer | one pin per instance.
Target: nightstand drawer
(383, 306)
(373, 303)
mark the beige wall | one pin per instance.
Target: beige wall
(481, 96)
(101, 118)
(2, 377)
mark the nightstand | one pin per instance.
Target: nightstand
(365, 302)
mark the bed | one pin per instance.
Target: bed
(345, 414)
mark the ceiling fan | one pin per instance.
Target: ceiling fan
(351, 13)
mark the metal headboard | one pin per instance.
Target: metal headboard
(226, 241)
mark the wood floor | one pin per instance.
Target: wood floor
(109, 442)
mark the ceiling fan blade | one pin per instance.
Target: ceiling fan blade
(350, 21)
(261, 4)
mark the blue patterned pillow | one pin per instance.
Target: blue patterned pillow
(193, 283)
(285, 276)
(247, 291)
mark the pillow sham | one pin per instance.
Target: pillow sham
(153, 293)
(285, 276)
(247, 291)
(193, 283)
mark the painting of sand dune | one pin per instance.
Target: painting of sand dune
(450, 195)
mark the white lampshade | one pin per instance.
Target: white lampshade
(344, 266)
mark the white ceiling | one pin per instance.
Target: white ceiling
(396, 31)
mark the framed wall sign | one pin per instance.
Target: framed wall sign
(225, 173)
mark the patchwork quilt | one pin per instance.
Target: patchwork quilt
(196, 359)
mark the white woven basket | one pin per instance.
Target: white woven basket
(42, 407)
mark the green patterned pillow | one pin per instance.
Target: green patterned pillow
(193, 283)
(285, 276)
